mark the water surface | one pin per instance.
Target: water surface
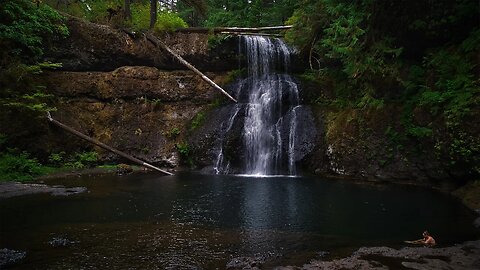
(189, 220)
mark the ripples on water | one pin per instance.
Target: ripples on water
(188, 221)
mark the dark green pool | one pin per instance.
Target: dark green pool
(192, 221)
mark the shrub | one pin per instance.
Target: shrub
(173, 133)
(24, 28)
(184, 151)
(197, 121)
(57, 159)
(140, 16)
(83, 160)
(15, 166)
(169, 22)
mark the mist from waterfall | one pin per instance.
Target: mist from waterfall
(267, 95)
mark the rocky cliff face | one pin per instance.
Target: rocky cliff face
(140, 110)
(121, 89)
(94, 47)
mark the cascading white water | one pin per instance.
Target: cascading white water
(266, 96)
(266, 90)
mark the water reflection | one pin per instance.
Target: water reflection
(203, 221)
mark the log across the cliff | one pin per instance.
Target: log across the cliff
(233, 29)
(160, 44)
(251, 34)
(104, 146)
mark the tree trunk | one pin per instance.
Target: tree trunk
(153, 13)
(160, 44)
(104, 146)
(233, 29)
(127, 13)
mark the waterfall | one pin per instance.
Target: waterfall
(220, 166)
(267, 95)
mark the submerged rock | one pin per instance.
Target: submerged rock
(9, 257)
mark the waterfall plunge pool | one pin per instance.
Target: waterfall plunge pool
(191, 221)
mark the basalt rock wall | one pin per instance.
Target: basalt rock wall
(139, 110)
(122, 90)
(95, 47)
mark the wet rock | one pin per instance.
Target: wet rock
(322, 254)
(10, 257)
(361, 144)
(63, 191)
(60, 242)
(123, 169)
(244, 263)
(207, 139)
(464, 256)
(305, 134)
(8, 190)
(146, 84)
(91, 46)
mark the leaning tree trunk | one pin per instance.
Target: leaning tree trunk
(104, 146)
(160, 44)
(153, 13)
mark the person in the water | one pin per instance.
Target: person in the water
(426, 240)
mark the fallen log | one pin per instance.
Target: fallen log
(104, 146)
(160, 44)
(250, 34)
(232, 29)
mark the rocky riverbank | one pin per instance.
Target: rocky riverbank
(464, 256)
(13, 189)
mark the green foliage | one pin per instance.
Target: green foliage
(419, 132)
(197, 121)
(248, 13)
(235, 74)
(18, 166)
(88, 158)
(166, 21)
(423, 58)
(216, 103)
(369, 101)
(77, 160)
(140, 16)
(57, 159)
(173, 133)
(338, 33)
(20, 91)
(184, 151)
(169, 22)
(24, 31)
(215, 40)
(24, 28)
(98, 11)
